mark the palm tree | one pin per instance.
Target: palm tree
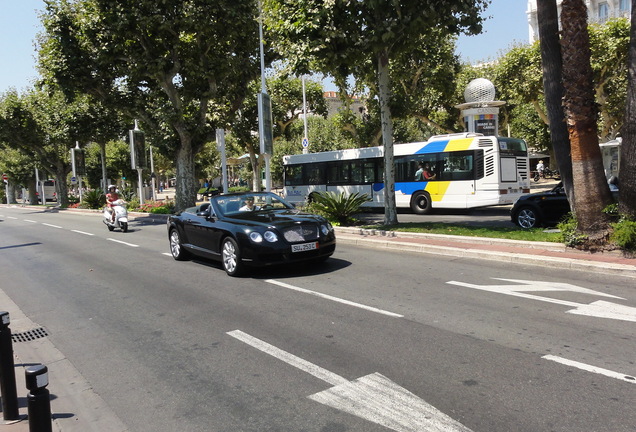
(552, 66)
(591, 192)
(627, 174)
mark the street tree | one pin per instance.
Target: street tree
(286, 93)
(337, 37)
(551, 62)
(591, 192)
(627, 174)
(180, 66)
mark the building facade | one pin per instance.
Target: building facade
(597, 11)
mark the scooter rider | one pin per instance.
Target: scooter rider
(111, 197)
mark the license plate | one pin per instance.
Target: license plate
(304, 247)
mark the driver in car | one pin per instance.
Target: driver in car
(249, 204)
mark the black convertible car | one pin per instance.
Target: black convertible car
(254, 229)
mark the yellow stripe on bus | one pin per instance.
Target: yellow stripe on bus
(459, 144)
(437, 190)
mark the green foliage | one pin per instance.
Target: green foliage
(570, 235)
(93, 199)
(234, 189)
(339, 208)
(624, 234)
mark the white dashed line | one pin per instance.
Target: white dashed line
(332, 298)
(590, 368)
(123, 242)
(52, 226)
(82, 232)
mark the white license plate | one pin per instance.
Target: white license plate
(304, 247)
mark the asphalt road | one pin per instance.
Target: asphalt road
(369, 337)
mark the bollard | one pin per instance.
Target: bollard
(38, 399)
(8, 390)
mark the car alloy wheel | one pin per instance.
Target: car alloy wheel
(231, 257)
(176, 249)
(527, 218)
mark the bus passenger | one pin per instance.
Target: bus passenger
(427, 174)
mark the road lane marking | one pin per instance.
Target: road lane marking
(332, 298)
(122, 242)
(598, 309)
(372, 397)
(590, 368)
(52, 226)
(297, 362)
(30, 221)
(82, 232)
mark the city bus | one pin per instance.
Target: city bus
(470, 170)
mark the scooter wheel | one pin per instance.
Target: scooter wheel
(110, 227)
(124, 226)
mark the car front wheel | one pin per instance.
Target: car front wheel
(527, 218)
(231, 257)
(176, 248)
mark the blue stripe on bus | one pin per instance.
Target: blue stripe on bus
(408, 188)
(433, 147)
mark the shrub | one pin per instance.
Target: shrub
(339, 208)
(624, 234)
(157, 207)
(93, 199)
(570, 235)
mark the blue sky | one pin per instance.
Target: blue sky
(19, 23)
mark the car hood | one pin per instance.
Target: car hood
(278, 218)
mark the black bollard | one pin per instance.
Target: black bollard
(7, 371)
(38, 399)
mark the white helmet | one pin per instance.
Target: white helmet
(111, 186)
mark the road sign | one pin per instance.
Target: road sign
(305, 142)
(5, 178)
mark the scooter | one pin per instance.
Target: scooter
(121, 216)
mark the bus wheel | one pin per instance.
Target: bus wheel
(421, 203)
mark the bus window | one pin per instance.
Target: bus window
(338, 173)
(458, 166)
(315, 174)
(293, 175)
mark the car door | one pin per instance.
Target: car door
(555, 205)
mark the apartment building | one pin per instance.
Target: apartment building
(597, 11)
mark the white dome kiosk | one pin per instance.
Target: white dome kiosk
(480, 112)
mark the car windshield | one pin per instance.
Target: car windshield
(234, 204)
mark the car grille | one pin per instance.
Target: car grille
(300, 233)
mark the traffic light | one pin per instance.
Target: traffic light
(80, 162)
(138, 158)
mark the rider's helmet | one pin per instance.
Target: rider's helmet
(112, 187)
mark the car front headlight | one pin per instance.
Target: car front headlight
(326, 228)
(269, 236)
(256, 237)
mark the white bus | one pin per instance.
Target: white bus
(471, 170)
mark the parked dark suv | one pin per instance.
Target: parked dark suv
(541, 208)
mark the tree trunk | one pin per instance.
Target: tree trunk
(186, 184)
(591, 192)
(390, 209)
(627, 173)
(553, 87)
